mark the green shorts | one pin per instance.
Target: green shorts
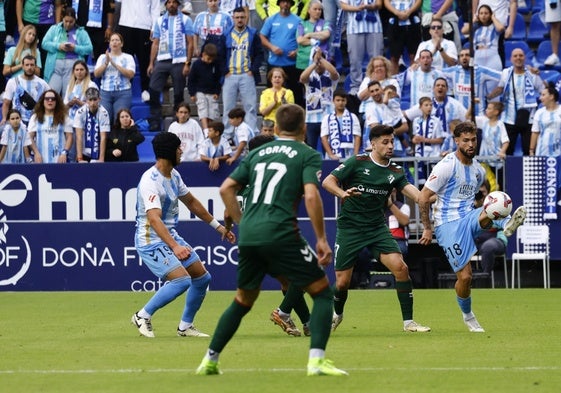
(297, 262)
(349, 242)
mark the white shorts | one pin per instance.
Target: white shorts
(207, 106)
(552, 14)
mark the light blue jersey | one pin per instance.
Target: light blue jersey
(548, 126)
(492, 136)
(155, 191)
(15, 142)
(50, 139)
(420, 83)
(455, 185)
(113, 79)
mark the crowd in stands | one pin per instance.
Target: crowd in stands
(70, 67)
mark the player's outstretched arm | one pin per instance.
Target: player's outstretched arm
(195, 206)
(331, 184)
(314, 208)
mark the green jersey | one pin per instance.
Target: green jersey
(375, 182)
(276, 173)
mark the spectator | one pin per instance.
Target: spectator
(278, 35)
(244, 55)
(443, 51)
(23, 91)
(241, 135)
(519, 88)
(210, 26)
(404, 29)
(189, 132)
(459, 77)
(172, 50)
(505, 12)
(445, 108)
(494, 138)
(378, 69)
(75, 96)
(204, 85)
(553, 18)
(492, 242)
(364, 35)
(340, 130)
(546, 128)
(427, 137)
(397, 219)
(98, 21)
(64, 43)
(313, 32)
(276, 95)
(445, 10)
(421, 77)
(215, 148)
(486, 39)
(27, 45)
(320, 79)
(50, 129)
(14, 140)
(42, 14)
(116, 70)
(228, 7)
(268, 8)
(123, 139)
(135, 25)
(268, 127)
(92, 125)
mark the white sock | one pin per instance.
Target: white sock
(143, 314)
(185, 325)
(469, 315)
(317, 353)
(282, 314)
(407, 322)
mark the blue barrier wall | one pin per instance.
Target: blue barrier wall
(70, 227)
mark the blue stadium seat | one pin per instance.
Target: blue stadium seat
(524, 10)
(544, 50)
(538, 6)
(550, 75)
(136, 90)
(519, 32)
(140, 111)
(537, 30)
(145, 151)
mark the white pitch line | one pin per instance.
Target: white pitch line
(277, 370)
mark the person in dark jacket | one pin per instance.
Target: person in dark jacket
(123, 139)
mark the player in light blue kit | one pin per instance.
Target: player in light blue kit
(455, 180)
(159, 245)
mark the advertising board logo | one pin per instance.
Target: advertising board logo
(15, 259)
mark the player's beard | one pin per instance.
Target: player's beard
(466, 154)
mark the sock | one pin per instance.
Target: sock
(143, 314)
(195, 297)
(465, 304)
(294, 299)
(404, 291)
(167, 293)
(320, 319)
(227, 326)
(316, 353)
(339, 300)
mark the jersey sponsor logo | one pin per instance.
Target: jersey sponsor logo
(370, 190)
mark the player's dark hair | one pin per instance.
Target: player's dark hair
(259, 140)
(217, 126)
(465, 127)
(379, 130)
(165, 146)
(290, 118)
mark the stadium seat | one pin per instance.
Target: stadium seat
(525, 7)
(544, 50)
(532, 244)
(538, 6)
(537, 31)
(145, 151)
(550, 75)
(136, 90)
(519, 32)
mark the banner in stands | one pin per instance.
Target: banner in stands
(71, 227)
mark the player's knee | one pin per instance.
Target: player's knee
(182, 283)
(202, 281)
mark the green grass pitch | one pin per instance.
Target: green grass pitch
(83, 342)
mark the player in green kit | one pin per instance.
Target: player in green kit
(364, 183)
(279, 174)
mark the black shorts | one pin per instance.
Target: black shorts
(400, 37)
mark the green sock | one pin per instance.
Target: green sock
(339, 300)
(405, 296)
(320, 319)
(227, 326)
(294, 299)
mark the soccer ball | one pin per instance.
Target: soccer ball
(497, 205)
